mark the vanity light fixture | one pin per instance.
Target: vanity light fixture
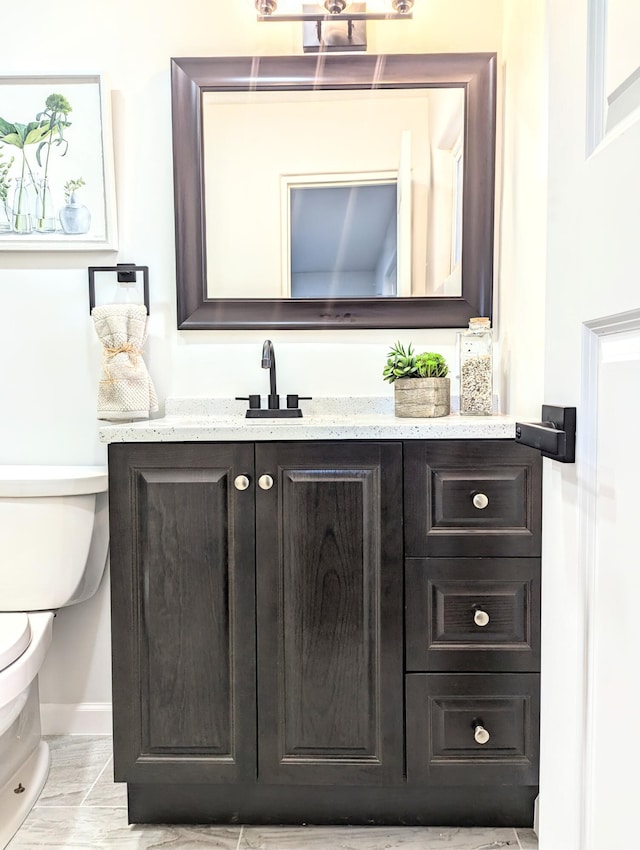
(332, 10)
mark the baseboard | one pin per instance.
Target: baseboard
(84, 718)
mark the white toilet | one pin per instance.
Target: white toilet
(54, 536)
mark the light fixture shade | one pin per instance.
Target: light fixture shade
(266, 7)
(323, 10)
(335, 7)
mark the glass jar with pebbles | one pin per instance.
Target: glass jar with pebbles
(475, 357)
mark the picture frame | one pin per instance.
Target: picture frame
(57, 187)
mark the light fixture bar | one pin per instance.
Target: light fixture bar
(343, 16)
(335, 10)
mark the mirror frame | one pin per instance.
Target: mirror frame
(191, 77)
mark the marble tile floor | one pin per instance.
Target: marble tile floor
(81, 807)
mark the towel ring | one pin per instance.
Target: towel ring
(126, 274)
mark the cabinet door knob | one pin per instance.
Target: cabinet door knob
(241, 482)
(265, 482)
(480, 733)
(480, 501)
(480, 617)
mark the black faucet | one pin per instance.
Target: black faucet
(273, 408)
(269, 362)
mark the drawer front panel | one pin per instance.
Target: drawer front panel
(471, 614)
(472, 728)
(472, 498)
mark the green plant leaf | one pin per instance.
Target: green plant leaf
(431, 365)
(36, 134)
(401, 363)
(6, 128)
(12, 139)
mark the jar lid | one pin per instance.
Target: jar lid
(480, 322)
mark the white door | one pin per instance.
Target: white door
(591, 561)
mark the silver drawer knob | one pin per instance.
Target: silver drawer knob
(480, 734)
(265, 482)
(480, 617)
(241, 482)
(480, 501)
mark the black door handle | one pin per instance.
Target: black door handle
(555, 436)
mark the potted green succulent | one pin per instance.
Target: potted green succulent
(421, 385)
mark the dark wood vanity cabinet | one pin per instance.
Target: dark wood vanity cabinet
(257, 613)
(314, 632)
(472, 587)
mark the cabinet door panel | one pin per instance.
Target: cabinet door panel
(330, 613)
(182, 579)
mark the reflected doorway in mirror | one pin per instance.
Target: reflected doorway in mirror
(342, 236)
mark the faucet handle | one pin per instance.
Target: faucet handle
(292, 400)
(253, 399)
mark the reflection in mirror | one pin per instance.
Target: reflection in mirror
(249, 132)
(342, 240)
(256, 142)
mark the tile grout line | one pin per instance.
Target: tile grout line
(240, 837)
(93, 784)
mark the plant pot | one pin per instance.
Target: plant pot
(424, 397)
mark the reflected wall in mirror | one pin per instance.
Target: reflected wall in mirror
(256, 141)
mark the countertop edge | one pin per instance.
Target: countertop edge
(365, 427)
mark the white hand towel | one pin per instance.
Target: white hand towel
(126, 390)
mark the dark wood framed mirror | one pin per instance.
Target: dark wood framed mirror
(193, 78)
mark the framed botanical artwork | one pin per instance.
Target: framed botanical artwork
(57, 190)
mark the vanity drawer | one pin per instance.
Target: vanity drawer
(471, 614)
(472, 497)
(472, 728)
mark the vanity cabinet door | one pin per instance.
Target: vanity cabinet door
(330, 613)
(183, 636)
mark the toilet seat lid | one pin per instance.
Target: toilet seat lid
(15, 636)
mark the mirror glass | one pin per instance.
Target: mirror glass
(332, 191)
(317, 179)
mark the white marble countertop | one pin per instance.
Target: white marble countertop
(348, 418)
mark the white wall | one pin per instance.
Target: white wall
(521, 216)
(50, 356)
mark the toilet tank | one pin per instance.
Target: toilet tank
(54, 535)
